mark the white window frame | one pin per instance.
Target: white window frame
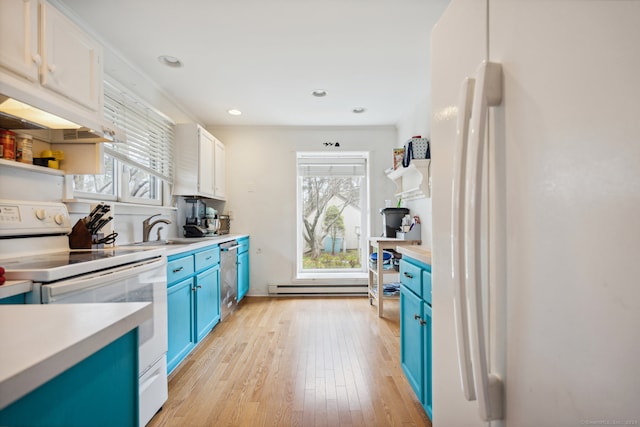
(360, 273)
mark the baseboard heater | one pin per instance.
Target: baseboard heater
(318, 289)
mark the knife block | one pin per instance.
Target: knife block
(80, 237)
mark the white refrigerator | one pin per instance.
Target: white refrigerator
(535, 180)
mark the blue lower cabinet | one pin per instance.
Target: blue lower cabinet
(427, 372)
(102, 390)
(15, 299)
(243, 267)
(243, 275)
(193, 300)
(416, 329)
(411, 342)
(207, 296)
(180, 312)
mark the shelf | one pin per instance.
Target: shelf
(376, 280)
(33, 168)
(413, 181)
(384, 270)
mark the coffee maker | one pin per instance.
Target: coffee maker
(196, 221)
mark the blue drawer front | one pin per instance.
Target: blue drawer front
(411, 277)
(426, 286)
(179, 269)
(207, 258)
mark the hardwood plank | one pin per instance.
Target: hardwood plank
(296, 362)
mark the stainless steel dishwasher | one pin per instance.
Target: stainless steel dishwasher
(228, 278)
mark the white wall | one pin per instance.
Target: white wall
(418, 122)
(261, 187)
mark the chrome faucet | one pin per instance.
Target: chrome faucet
(147, 226)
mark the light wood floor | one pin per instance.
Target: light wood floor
(296, 362)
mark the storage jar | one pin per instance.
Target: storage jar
(24, 148)
(7, 144)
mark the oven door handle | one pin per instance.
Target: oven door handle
(106, 277)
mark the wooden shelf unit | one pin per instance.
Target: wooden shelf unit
(376, 276)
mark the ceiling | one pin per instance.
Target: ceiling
(265, 57)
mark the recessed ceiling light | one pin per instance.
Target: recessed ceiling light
(170, 61)
(234, 112)
(319, 93)
(359, 110)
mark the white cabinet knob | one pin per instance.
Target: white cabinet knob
(51, 68)
(41, 214)
(37, 59)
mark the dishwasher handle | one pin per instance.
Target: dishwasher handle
(230, 248)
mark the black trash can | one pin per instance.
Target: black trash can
(392, 220)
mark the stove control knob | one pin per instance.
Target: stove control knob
(59, 219)
(41, 214)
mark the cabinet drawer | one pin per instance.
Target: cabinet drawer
(411, 277)
(426, 286)
(179, 269)
(207, 258)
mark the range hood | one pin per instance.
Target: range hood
(24, 118)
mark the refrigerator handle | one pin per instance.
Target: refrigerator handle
(457, 239)
(487, 93)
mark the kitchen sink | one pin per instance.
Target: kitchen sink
(157, 243)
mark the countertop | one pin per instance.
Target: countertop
(42, 341)
(182, 244)
(418, 252)
(15, 287)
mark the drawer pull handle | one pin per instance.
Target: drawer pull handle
(410, 276)
(208, 258)
(199, 286)
(416, 316)
(178, 269)
(422, 322)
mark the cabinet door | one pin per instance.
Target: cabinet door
(19, 37)
(206, 147)
(71, 61)
(243, 274)
(427, 372)
(411, 339)
(220, 170)
(180, 320)
(207, 296)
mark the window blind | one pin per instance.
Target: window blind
(149, 137)
(310, 166)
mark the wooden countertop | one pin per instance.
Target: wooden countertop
(418, 252)
(41, 341)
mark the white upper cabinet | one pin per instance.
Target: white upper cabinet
(219, 170)
(71, 60)
(200, 163)
(206, 162)
(49, 62)
(19, 37)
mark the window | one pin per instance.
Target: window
(135, 168)
(332, 212)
